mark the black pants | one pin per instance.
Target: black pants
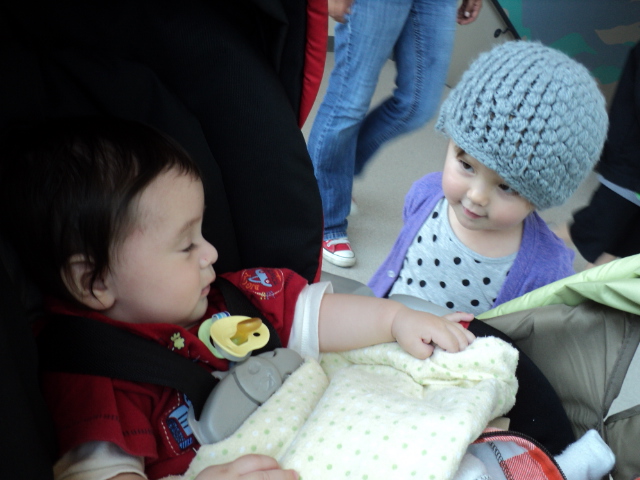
(609, 224)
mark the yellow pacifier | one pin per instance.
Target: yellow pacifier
(234, 337)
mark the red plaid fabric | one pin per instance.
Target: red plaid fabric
(518, 456)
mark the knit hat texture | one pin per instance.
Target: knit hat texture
(531, 114)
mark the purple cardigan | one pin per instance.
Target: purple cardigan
(543, 258)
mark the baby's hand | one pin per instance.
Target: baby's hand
(418, 332)
(248, 467)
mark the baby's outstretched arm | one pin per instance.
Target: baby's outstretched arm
(354, 321)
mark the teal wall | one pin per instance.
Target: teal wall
(597, 33)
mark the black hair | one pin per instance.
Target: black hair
(67, 187)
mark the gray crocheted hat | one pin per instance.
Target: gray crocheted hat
(533, 115)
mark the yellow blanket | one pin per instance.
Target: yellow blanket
(377, 413)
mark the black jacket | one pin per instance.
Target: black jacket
(620, 160)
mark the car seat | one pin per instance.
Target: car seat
(231, 81)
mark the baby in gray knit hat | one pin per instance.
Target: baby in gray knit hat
(526, 125)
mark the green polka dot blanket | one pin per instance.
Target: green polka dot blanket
(377, 413)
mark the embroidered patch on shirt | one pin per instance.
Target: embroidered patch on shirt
(176, 427)
(264, 284)
(177, 340)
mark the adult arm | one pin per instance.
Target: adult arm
(339, 8)
(468, 11)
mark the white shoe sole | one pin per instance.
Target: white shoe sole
(337, 260)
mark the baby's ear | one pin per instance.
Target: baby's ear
(77, 278)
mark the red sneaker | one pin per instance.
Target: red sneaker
(338, 251)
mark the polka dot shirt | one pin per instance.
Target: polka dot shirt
(441, 269)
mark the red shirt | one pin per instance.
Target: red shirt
(149, 420)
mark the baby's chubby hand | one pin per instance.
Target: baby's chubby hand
(248, 467)
(418, 332)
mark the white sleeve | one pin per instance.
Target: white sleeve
(304, 331)
(97, 461)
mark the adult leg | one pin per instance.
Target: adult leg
(422, 54)
(362, 45)
(628, 243)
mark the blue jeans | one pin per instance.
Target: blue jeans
(344, 137)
